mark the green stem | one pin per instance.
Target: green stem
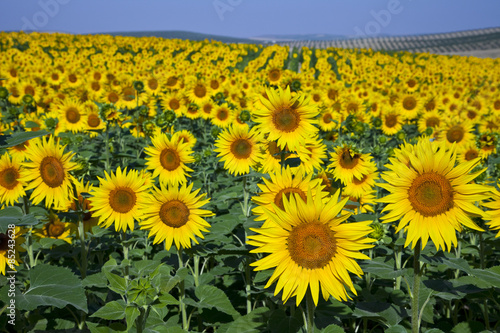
(415, 323)
(248, 286)
(84, 259)
(30, 248)
(107, 166)
(398, 255)
(182, 295)
(481, 251)
(310, 307)
(123, 236)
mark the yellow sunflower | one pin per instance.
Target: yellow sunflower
(168, 159)
(72, 115)
(11, 188)
(56, 229)
(456, 132)
(271, 156)
(431, 196)
(238, 148)
(119, 199)
(12, 241)
(174, 215)
(222, 116)
(283, 183)
(47, 172)
(392, 122)
(310, 247)
(493, 215)
(346, 164)
(290, 120)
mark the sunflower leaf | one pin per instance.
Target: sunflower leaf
(52, 286)
(15, 139)
(114, 310)
(250, 323)
(212, 297)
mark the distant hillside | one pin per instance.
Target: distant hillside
(480, 42)
(182, 35)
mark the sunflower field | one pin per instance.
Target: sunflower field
(154, 185)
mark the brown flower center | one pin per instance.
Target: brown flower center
(278, 199)
(153, 84)
(9, 178)
(431, 194)
(122, 199)
(455, 134)
(312, 245)
(174, 213)
(170, 159)
(471, 154)
(93, 120)
(274, 75)
(347, 161)
(241, 148)
(55, 229)
(52, 171)
(200, 90)
(286, 119)
(432, 122)
(409, 103)
(391, 120)
(72, 115)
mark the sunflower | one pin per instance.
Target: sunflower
(11, 188)
(456, 132)
(392, 122)
(363, 185)
(222, 115)
(271, 156)
(72, 115)
(429, 119)
(89, 221)
(290, 120)
(274, 75)
(11, 243)
(410, 105)
(312, 154)
(492, 215)
(309, 247)
(329, 120)
(47, 172)
(172, 101)
(168, 158)
(238, 148)
(174, 215)
(431, 196)
(283, 183)
(346, 164)
(198, 92)
(119, 199)
(54, 228)
(185, 136)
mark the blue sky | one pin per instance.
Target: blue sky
(249, 18)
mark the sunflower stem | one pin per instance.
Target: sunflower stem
(30, 249)
(84, 259)
(398, 254)
(106, 150)
(182, 294)
(123, 237)
(246, 212)
(310, 307)
(415, 322)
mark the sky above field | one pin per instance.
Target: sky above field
(250, 18)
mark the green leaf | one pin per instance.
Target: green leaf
(448, 263)
(381, 267)
(490, 275)
(116, 283)
(167, 285)
(14, 215)
(468, 327)
(396, 329)
(131, 313)
(52, 286)
(280, 322)
(252, 322)
(167, 299)
(95, 280)
(333, 329)
(388, 313)
(19, 137)
(212, 297)
(113, 310)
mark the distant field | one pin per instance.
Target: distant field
(482, 43)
